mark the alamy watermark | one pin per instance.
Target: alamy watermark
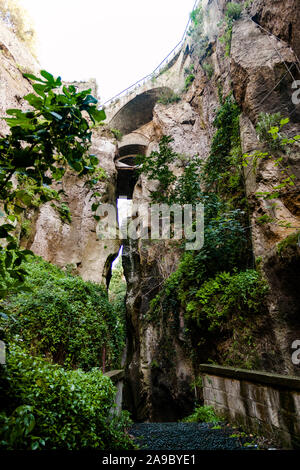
(2, 353)
(154, 222)
(296, 93)
(296, 353)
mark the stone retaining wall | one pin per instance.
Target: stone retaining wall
(266, 404)
(117, 377)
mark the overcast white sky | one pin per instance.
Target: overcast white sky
(115, 41)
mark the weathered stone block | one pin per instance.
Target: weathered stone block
(215, 396)
(233, 387)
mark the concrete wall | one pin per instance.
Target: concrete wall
(117, 377)
(266, 404)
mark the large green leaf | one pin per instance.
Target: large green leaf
(96, 114)
(48, 76)
(33, 77)
(40, 89)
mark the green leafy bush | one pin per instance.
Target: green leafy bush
(184, 189)
(43, 141)
(117, 134)
(291, 240)
(168, 97)
(264, 125)
(234, 10)
(47, 407)
(117, 285)
(202, 414)
(226, 296)
(224, 247)
(65, 318)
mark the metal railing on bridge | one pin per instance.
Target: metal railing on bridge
(157, 71)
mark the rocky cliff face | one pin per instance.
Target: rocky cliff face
(259, 71)
(15, 59)
(76, 244)
(72, 244)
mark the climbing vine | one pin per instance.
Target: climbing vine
(270, 132)
(44, 406)
(43, 141)
(214, 288)
(65, 318)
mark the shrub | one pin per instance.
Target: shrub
(225, 156)
(156, 167)
(224, 248)
(117, 134)
(65, 318)
(291, 240)
(202, 414)
(188, 81)
(227, 296)
(233, 10)
(168, 97)
(265, 123)
(208, 69)
(47, 407)
(199, 39)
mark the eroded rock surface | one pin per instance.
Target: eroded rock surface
(76, 244)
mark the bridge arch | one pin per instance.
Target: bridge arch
(126, 166)
(138, 111)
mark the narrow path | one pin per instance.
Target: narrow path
(187, 436)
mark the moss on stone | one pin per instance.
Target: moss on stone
(290, 240)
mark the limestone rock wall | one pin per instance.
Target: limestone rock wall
(14, 59)
(76, 244)
(259, 72)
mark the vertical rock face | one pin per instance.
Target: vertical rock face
(14, 59)
(159, 366)
(259, 73)
(61, 243)
(76, 244)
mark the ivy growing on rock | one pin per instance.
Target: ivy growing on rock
(270, 130)
(50, 136)
(67, 320)
(45, 406)
(216, 288)
(232, 13)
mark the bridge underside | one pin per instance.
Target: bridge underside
(126, 166)
(137, 112)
